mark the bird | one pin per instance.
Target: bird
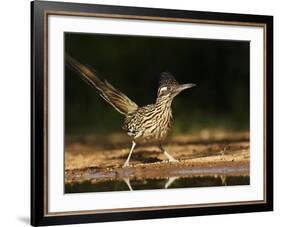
(146, 123)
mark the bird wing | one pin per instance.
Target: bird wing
(114, 97)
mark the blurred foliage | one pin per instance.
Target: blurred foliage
(133, 64)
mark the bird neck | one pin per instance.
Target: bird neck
(163, 101)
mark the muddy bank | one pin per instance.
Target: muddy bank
(163, 170)
(201, 155)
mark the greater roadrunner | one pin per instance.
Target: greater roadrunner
(148, 123)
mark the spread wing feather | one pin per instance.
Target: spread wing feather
(109, 93)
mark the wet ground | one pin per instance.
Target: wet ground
(205, 159)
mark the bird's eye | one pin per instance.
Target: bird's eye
(163, 89)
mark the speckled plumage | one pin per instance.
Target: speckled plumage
(149, 123)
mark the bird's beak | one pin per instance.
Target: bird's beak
(182, 87)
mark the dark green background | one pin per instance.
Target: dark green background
(133, 65)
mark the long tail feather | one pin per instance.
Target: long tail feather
(109, 93)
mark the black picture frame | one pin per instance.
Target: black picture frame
(39, 12)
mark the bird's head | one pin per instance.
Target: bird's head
(169, 87)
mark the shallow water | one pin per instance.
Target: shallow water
(171, 182)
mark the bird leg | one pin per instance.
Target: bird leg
(170, 181)
(130, 153)
(170, 157)
(128, 183)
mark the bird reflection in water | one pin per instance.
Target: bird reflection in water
(167, 184)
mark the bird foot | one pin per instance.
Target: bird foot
(126, 164)
(170, 157)
(173, 160)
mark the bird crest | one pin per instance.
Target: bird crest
(167, 79)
